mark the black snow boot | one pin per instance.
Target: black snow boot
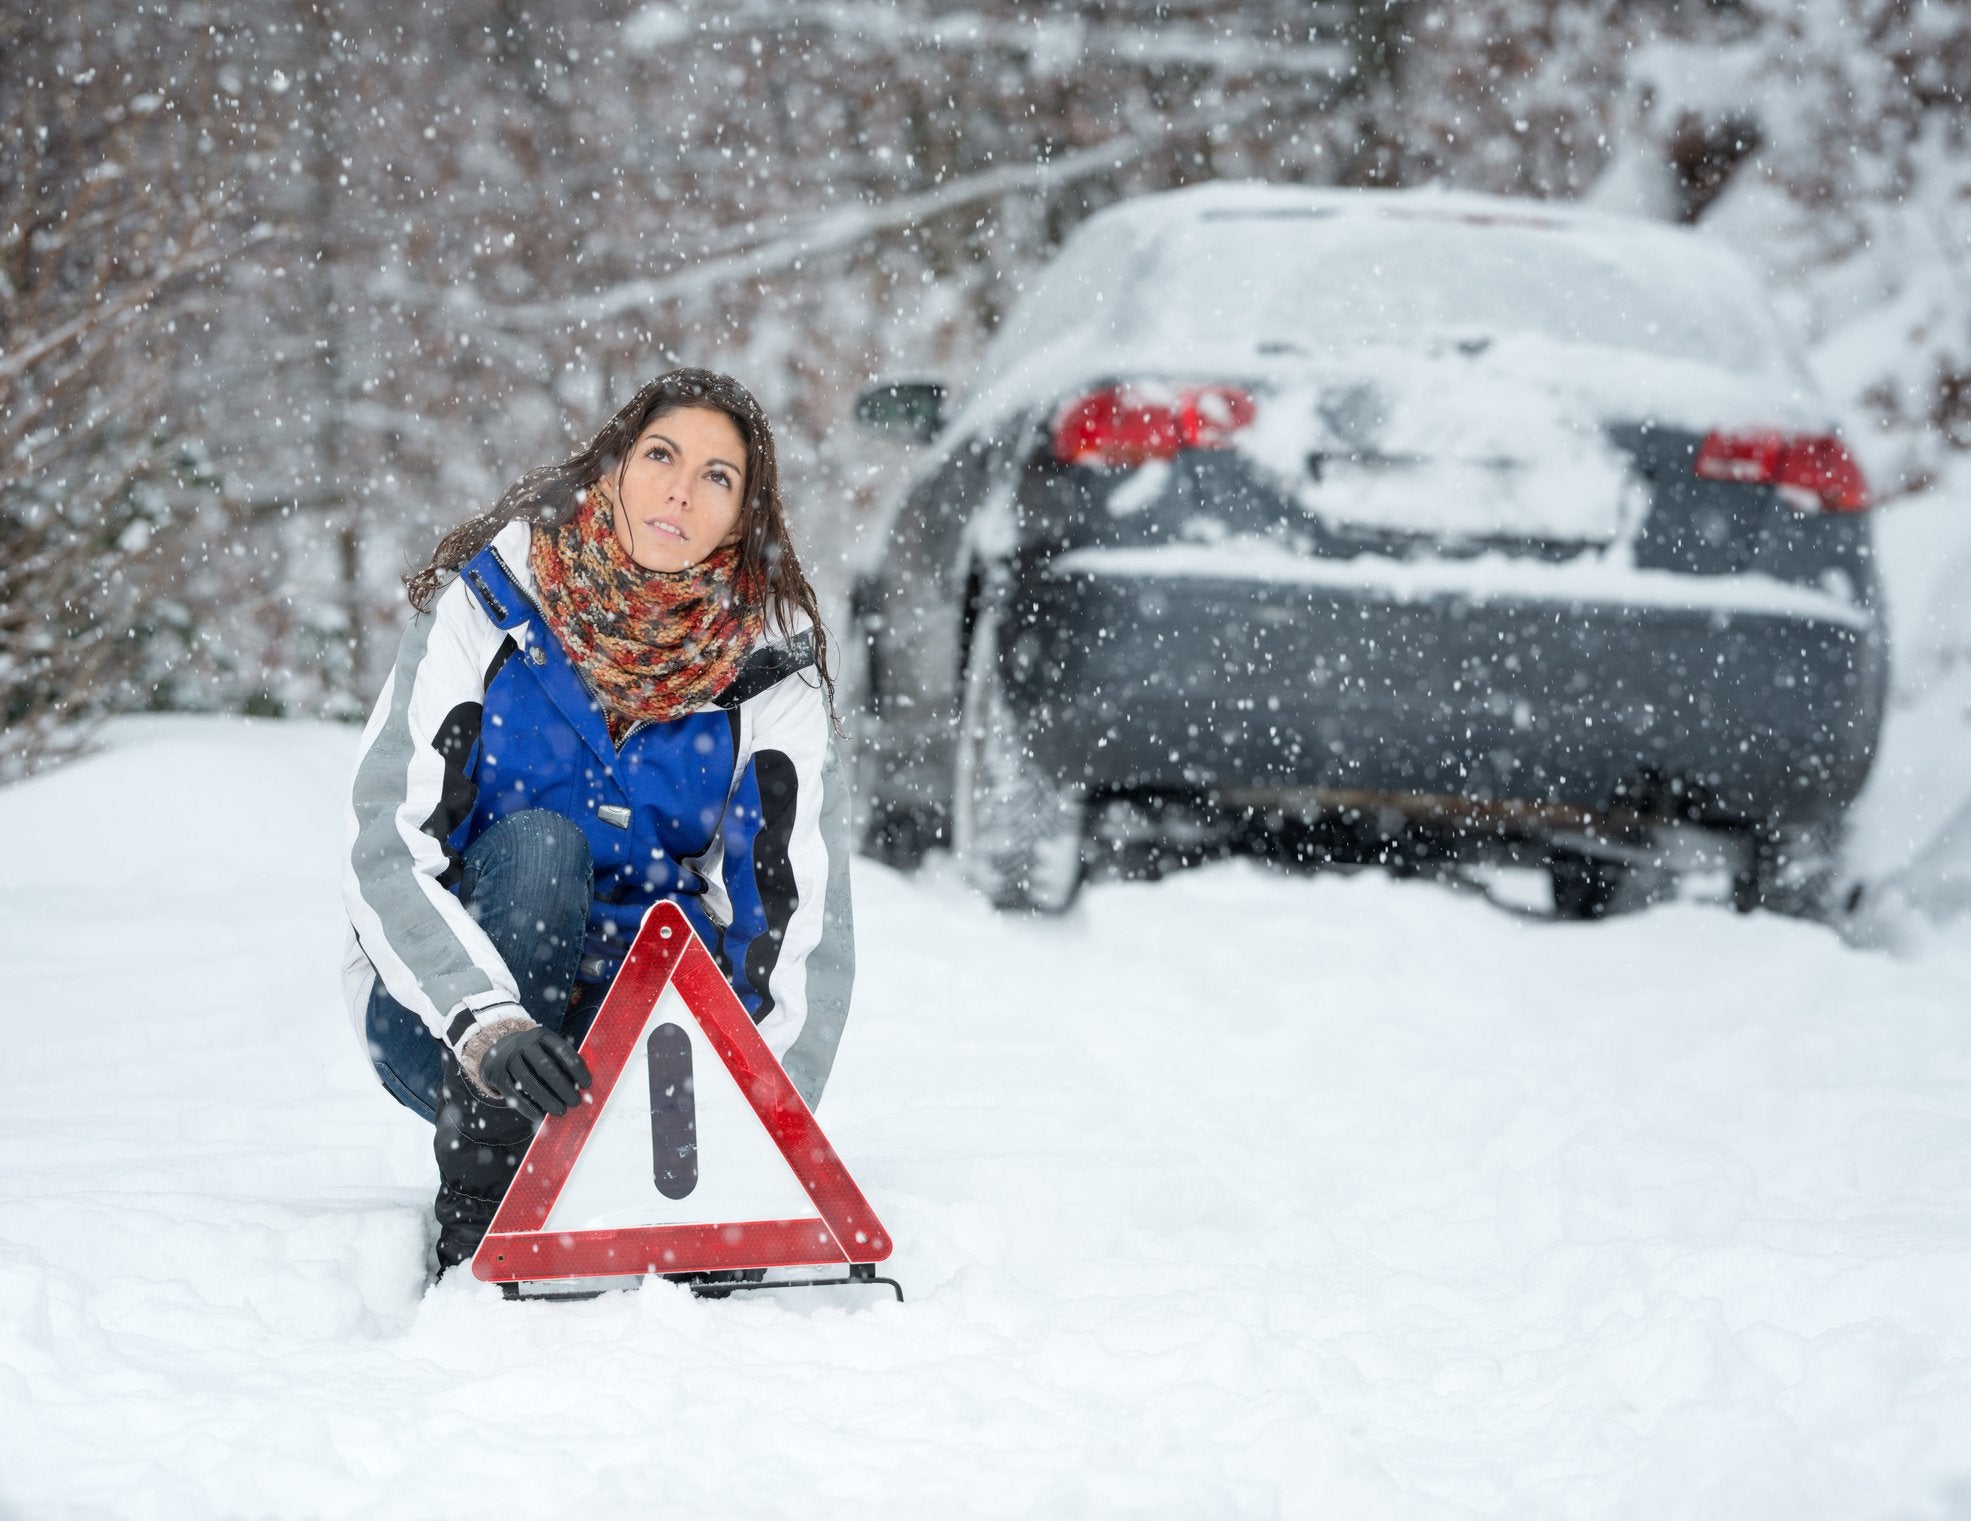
(479, 1143)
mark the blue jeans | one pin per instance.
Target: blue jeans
(528, 881)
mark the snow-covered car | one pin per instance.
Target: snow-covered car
(1373, 525)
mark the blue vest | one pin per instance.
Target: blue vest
(648, 807)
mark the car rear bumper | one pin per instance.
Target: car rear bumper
(1533, 706)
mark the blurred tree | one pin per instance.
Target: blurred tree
(292, 285)
(118, 204)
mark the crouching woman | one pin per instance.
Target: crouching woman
(614, 691)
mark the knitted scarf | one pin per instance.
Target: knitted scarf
(653, 644)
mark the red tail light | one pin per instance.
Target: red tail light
(1124, 425)
(1813, 471)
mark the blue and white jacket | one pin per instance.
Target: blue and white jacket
(737, 812)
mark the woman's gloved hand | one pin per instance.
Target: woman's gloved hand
(536, 1072)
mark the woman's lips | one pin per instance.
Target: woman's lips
(660, 525)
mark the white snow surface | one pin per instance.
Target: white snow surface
(1239, 1194)
(1598, 581)
(1319, 271)
(1911, 828)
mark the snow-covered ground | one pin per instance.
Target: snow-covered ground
(1241, 1194)
(1911, 829)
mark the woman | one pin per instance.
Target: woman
(620, 696)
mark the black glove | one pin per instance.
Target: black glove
(536, 1072)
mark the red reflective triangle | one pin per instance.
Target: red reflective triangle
(843, 1228)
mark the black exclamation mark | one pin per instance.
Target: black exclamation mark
(673, 1112)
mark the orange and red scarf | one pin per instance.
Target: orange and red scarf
(653, 644)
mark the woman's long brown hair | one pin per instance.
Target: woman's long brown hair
(767, 561)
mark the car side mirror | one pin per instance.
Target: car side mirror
(911, 407)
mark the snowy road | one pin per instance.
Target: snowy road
(1239, 1195)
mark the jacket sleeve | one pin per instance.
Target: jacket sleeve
(790, 942)
(412, 789)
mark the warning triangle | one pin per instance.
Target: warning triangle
(691, 1152)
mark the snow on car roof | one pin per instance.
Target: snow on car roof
(1251, 279)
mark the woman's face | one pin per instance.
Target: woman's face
(681, 491)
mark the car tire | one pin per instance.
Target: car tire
(894, 833)
(895, 837)
(1586, 887)
(1791, 870)
(1016, 830)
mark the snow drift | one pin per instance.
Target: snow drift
(1236, 1195)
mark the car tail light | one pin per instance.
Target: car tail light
(1127, 425)
(1812, 471)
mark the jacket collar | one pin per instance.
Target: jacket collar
(498, 584)
(501, 577)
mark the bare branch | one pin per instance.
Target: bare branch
(94, 312)
(1054, 43)
(829, 232)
